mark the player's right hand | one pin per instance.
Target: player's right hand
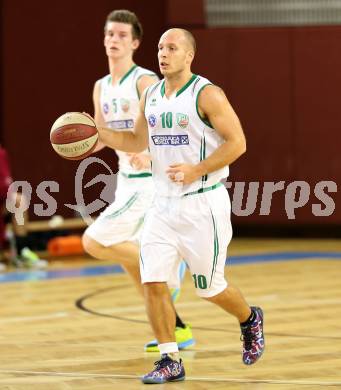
(139, 161)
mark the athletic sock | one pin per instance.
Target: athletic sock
(170, 349)
(179, 323)
(250, 320)
(21, 242)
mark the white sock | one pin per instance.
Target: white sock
(170, 349)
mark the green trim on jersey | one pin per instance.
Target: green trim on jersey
(145, 100)
(215, 248)
(207, 122)
(190, 81)
(128, 73)
(141, 260)
(141, 75)
(204, 189)
(135, 175)
(182, 89)
(125, 207)
(203, 154)
(124, 77)
(163, 89)
(151, 162)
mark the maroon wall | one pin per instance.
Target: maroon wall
(283, 82)
(52, 54)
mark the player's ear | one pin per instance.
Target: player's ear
(135, 44)
(190, 56)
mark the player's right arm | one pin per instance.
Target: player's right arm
(97, 112)
(127, 141)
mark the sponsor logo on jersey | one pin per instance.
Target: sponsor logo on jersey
(173, 140)
(182, 120)
(125, 104)
(122, 124)
(152, 120)
(153, 103)
(105, 108)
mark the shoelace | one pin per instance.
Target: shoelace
(247, 337)
(162, 362)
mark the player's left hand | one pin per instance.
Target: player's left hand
(183, 173)
(139, 161)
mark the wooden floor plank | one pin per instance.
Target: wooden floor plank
(47, 342)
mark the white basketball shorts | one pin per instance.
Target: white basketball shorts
(196, 228)
(122, 220)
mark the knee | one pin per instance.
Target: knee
(155, 289)
(212, 299)
(90, 246)
(215, 297)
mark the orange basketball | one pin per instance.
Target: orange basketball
(74, 135)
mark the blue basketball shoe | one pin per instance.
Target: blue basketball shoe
(253, 338)
(166, 370)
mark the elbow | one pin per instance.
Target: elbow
(140, 147)
(241, 147)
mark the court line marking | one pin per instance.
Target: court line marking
(188, 378)
(33, 318)
(91, 271)
(80, 304)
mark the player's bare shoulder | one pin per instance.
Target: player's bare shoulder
(97, 89)
(146, 81)
(211, 96)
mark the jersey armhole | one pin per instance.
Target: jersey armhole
(145, 100)
(137, 80)
(204, 120)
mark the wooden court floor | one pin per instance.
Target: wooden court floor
(87, 332)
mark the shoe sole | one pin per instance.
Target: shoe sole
(151, 381)
(186, 344)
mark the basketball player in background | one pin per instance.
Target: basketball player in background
(193, 135)
(114, 234)
(20, 255)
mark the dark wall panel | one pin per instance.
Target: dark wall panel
(52, 54)
(254, 68)
(316, 103)
(283, 82)
(186, 13)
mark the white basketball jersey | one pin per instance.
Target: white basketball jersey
(178, 134)
(120, 106)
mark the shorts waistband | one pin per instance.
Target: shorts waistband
(136, 175)
(204, 189)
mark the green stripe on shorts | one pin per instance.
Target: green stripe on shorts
(125, 207)
(215, 248)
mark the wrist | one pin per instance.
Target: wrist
(201, 169)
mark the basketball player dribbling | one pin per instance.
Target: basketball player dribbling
(114, 235)
(193, 135)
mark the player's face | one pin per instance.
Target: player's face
(118, 40)
(173, 54)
